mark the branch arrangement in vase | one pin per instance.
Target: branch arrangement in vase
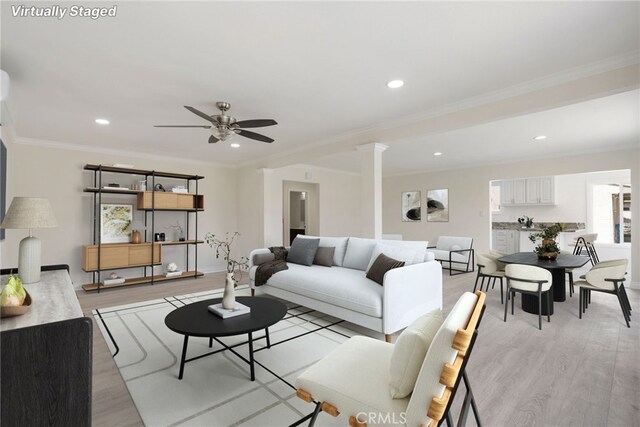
(548, 248)
(223, 250)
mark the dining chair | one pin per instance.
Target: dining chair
(607, 277)
(528, 279)
(488, 269)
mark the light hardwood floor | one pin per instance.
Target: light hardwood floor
(572, 373)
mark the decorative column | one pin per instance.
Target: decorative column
(371, 184)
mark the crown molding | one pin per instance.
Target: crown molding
(322, 169)
(112, 151)
(510, 161)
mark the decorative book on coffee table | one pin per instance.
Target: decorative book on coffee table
(239, 310)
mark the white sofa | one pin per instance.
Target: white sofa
(344, 291)
(454, 253)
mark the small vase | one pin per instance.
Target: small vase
(136, 237)
(229, 296)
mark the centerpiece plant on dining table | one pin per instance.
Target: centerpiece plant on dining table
(548, 247)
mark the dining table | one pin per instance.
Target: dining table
(558, 269)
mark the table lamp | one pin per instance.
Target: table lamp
(29, 213)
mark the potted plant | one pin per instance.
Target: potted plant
(525, 221)
(234, 266)
(547, 248)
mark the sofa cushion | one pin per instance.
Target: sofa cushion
(440, 352)
(324, 256)
(420, 247)
(303, 251)
(343, 287)
(380, 266)
(398, 253)
(409, 352)
(445, 243)
(340, 243)
(358, 253)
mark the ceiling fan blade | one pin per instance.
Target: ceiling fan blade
(213, 139)
(253, 135)
(199, 113)
(256, 123)
(182, 126)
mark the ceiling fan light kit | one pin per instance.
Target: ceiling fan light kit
(223, 127)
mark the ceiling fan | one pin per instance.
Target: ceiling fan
(224, 127)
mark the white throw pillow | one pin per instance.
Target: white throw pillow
(409, 352)
(420, 246)
(358, 253)
(455, 248)
(398, 253)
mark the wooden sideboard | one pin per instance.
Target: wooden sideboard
(46, 358)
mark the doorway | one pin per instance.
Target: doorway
(300, 210)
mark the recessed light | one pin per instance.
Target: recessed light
(437, 153)
(395, 84)
(540, 137)
(102, 121)
(235, 145)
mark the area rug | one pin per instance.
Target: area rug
(216, 390)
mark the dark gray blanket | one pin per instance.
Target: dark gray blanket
(269, 268)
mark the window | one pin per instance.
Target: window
(612, 212)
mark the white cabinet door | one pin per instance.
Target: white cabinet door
(499, 240)
(506, 193)
(526, 245)
(546, 190)
(533, 191)
(519, 191)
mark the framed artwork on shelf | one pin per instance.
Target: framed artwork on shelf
(115, 222)
(438, 205)
(410, 206)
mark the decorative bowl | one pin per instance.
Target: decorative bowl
(16, 310)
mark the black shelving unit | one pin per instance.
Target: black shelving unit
(150, 179)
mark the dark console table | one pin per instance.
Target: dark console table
(46, 358)
(557, 268)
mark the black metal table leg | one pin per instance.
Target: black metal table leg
(253, 374)
(184, 356)
(266, 331)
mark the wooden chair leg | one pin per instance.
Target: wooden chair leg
(388, 337)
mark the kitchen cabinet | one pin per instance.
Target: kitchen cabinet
(529, 191)
(506, 241)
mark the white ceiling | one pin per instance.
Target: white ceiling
(318, 68)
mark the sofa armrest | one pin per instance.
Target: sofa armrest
(256, 252)
(409, 292)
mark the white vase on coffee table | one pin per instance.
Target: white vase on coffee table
(229, 296)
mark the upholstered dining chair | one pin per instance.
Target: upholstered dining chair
(528, 279)
(607, 277)
(357, 379)
(488, 269)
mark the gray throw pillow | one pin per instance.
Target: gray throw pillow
(380, 266)
(262, 258)
(303, 251)
(324, 256)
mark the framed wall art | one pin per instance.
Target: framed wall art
(410, 206)
(115, 222)
(438, 205)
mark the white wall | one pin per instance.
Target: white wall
(571, 199)
(58, 175)
(469, 196)
(261, 191)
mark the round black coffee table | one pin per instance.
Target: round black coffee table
(195, 320)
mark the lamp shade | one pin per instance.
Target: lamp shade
(29, 212)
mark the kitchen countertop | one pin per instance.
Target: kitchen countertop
(568, 226)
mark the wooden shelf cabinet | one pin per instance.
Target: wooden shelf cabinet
(170, 201)
(120, 255)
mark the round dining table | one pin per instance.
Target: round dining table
(557, 267)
